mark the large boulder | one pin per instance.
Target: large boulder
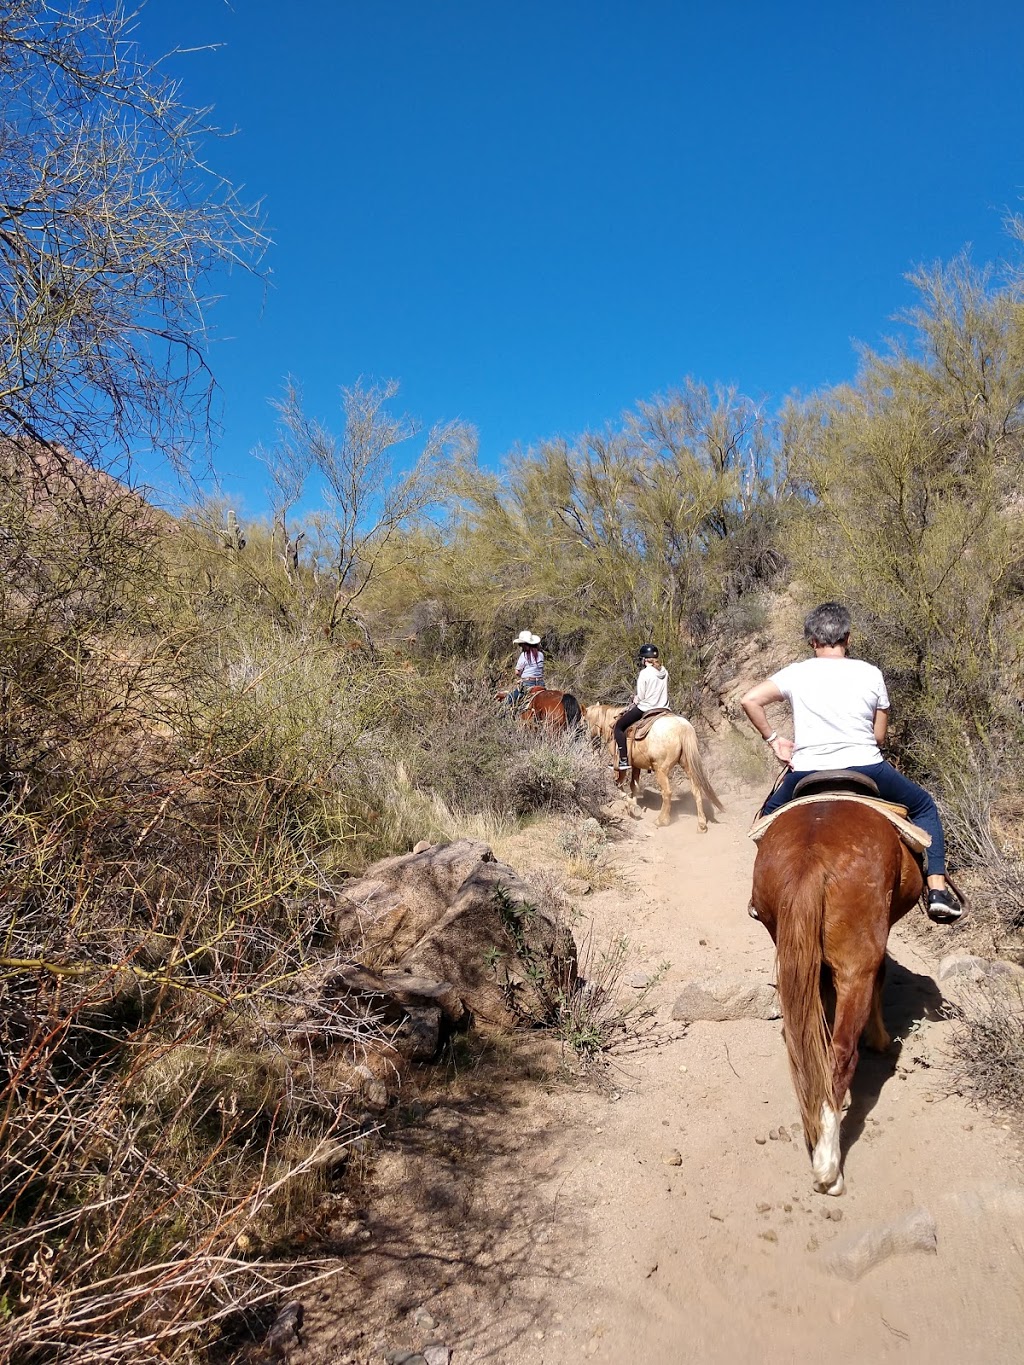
(454, 916)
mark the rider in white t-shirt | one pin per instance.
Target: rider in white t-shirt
(840, 720)
(834, 703)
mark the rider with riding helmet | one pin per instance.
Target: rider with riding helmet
(840, 718)
(651, 695)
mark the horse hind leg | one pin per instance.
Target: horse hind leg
(826, 1157)
(665, 786)
(854, 995)
(876, 1035)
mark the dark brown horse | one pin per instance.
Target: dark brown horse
(551, 709)
(830, 880)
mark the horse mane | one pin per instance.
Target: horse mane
(601, 716)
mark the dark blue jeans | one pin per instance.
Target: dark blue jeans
(620, 727)
(892, 786)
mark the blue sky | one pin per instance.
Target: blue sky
(533, 214)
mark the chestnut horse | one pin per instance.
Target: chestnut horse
(671, 741)
(559, 710)
(830, 880)
(544, 706)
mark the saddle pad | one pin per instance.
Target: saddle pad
(913, 836)
(641, 728)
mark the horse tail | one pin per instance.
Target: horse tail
(573, 714)
(694, 765)
(799, 953)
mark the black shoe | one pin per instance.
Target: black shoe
(943, 907)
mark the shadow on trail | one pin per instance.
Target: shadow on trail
(458, 1218)
(907, 998)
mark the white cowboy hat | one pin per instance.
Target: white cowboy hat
(526, 637)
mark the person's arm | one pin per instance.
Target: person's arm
(753, 703)
(881, 725)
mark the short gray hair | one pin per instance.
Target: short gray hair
(829, 624)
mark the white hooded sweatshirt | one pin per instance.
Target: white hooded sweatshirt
(652, 688)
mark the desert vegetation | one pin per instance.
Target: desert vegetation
(209, 725)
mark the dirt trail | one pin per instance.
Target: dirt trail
(720, 1259)
(549, 1228)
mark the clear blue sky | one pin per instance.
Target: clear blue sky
(534, 213)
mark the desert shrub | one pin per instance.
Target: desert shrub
(161, 1142)
(988, 1040)
(746, 616)
(174, 796)
(639, 532)
(559, 772)
(477, 756)
(582, 841)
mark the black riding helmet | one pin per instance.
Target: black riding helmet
(649, 652)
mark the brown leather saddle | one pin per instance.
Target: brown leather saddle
(842, 784)
(640, 729)
(836, 780)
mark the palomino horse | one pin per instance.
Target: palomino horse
(544, 706)
(830, 880)
(671, 741)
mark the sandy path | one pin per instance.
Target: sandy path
(659, 1263)
(536, 1221)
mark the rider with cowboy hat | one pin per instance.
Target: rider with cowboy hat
(530, 664)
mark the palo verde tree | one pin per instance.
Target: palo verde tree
(366, 501)
(642, 531)
(110, 225)
(913, 515)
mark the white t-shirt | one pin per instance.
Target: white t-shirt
(834, 703)
(530, 665)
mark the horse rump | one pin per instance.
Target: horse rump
(573, 712)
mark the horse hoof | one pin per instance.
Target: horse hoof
(702, 825)
(836, 1188)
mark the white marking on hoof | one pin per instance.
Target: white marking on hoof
(752, 912)
(825, 1158)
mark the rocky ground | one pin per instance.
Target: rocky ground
(661, 1209)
